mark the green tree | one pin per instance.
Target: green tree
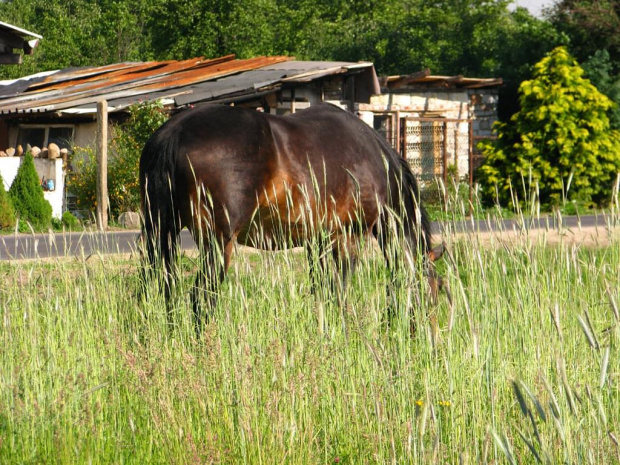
(7, 212)
(591, 25)
(592, 28)
(560, 137)
(79, 32)
(27, 197)
(599, 69)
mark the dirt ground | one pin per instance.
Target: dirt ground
(582, 237)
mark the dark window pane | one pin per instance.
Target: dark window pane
(61, 137)
(33, 136)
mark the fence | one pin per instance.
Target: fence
(433, 145)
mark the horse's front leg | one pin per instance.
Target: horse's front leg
(214, 262)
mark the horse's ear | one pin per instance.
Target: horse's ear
(436, 253)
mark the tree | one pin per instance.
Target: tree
(591, 25)
(592, 28)
(560, 137)
(27, 197)
(7, 212)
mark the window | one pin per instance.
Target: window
(384, 124)
(42, 136)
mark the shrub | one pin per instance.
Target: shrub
(7, 211)
(27, 197)
(560, 138)
(70, 222)
(123, 165)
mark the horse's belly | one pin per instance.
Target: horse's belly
(272, 235)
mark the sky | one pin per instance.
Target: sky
(535, 6)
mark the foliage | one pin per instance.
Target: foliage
(68, 221)
(82, 180)
(592, 25)
(79, 32)
(593, 29)
(27, 197)
(123, 166)
(7, 211)
(599, 69)
(559, 139)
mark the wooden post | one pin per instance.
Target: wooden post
(102, 165)
(470, 150)
(445, 153)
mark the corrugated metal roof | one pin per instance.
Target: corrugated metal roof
(188, 81)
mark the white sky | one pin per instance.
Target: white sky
(535, 6)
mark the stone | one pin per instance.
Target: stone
(44, 153)
(53, 151)
(10, 152)
(20, 151)
(3, 153)
(35, 151)
(64, 153)
(129, 220)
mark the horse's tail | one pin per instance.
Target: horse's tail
(157, 191)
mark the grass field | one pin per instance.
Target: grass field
(524, 367)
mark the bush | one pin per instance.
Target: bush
(27, 197)
(68, 221)
(559, 141)
(7, 211)
(123, 165)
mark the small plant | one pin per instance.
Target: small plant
(27, 197)
(7, 211)
(68, 221)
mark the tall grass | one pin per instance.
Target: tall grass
(523, 367)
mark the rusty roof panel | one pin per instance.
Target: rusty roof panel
(187, 81)
(67, 89)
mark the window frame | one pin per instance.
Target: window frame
(47, 128)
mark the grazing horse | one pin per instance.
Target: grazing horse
(230, 175)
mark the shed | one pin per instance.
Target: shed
(435, 121)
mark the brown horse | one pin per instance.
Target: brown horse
(235, 175)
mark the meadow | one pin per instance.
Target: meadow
(522, 367)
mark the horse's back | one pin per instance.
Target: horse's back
(241, 166)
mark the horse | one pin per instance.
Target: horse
(235, 175)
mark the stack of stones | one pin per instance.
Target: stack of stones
(52, 151)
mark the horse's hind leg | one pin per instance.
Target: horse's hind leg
(214, 262)
(161, 247)
(346, 259)
(318, 254)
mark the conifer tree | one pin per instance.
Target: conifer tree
(27, 197)
(7, 212)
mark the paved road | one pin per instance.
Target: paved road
(25, 246)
